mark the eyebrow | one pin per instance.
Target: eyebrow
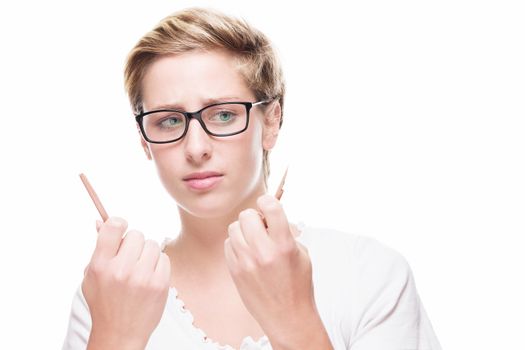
(206, 102)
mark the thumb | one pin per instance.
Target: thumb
(98, 223)
(302, 247)
(294, 230)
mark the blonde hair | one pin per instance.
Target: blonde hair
(204, 29)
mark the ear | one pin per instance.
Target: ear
(144, 144)
(272, 123)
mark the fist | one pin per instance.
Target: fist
(271, 270)
(125, 284)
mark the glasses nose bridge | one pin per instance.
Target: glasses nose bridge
(194, 115)
(197, 116)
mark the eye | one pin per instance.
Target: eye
(225, 116)
(170, 122)
(222, 117)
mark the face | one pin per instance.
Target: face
(189, 82)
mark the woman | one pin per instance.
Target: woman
(238, 274)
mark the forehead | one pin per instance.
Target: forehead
(190, 79)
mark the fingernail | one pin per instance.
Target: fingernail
(116, 221)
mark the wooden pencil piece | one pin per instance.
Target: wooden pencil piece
(94, 197)
(280, 189)
(278, 195)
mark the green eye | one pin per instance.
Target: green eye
(170, 122)
(221, 117)
(225, 116)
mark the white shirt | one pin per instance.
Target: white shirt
(365, 294)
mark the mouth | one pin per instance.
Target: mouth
(203, 180)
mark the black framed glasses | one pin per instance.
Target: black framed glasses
(218, 119)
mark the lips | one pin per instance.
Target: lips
(203, 180)
(201, 175)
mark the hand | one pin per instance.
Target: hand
(126, 286)
(272, 271)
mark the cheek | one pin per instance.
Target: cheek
(166, 160)
(251, 145)
(253, 156)
(249, 162)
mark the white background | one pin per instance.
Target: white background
(404, 121)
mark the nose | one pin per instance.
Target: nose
(197, 145)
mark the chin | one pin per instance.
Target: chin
(219, 202)
(206, 208)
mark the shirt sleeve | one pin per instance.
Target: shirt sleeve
(79, 327)
(390, 314)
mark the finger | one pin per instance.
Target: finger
(254, 231)
(149, 257)
(229, 253)
(131, 248)
(162, 274)
(278, 226)
(231, 258)
(109, 238)
(238, 243)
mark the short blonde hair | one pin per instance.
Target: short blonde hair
(204, 29)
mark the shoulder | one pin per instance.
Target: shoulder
(356, 269)
(356, 252)
(369, 289)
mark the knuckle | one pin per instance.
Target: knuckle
(266, 260)
(96, 268)
(151, 245)
(245, 214)
(121, 275)
(234, 271)
(117, 222)
(303, 248)
(138, 282)
(247, 266)
(265, 201)
(158, 286)
(232, 227)
(103, 239)
(287, 248)
(273, 207)
(134, 235)
(165, 259)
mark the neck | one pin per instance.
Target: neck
(199, 248)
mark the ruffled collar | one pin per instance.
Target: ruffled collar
(248, 343)
(199, 336)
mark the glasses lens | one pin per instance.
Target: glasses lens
(164, 126)
(225, 119)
